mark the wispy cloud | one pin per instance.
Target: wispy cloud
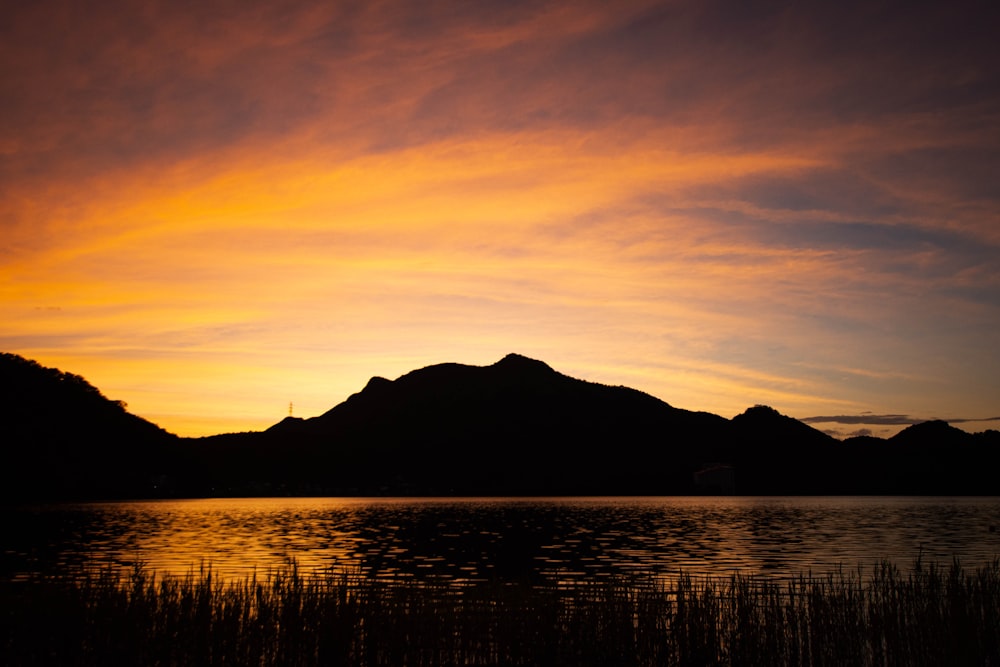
(886, 420)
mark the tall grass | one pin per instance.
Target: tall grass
(927, 615)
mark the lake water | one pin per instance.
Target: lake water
(474, 539)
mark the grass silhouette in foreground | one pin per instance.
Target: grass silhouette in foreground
(929, 615)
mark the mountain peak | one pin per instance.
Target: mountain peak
(521, 362)
(763, 421)
(377, 382)
(928, 432)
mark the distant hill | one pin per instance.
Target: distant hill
(930, 457)
(516, 427)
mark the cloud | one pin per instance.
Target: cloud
(884, 420)
(859, 433)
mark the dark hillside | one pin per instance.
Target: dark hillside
(62, 438)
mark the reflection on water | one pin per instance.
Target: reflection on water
(473, 539)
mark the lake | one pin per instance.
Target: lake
(472, 539)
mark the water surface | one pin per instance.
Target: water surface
(475, 539)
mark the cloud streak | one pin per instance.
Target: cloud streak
(885, 420)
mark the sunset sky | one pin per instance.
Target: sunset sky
(212, 209)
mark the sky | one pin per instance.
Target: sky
(213, 210)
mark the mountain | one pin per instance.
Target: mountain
(516, 427)
(62, 438)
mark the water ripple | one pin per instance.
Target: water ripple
(475, 539)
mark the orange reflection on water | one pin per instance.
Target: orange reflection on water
(509, 539)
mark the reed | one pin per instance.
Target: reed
(927, 615)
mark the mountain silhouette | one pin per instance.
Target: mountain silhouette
(516, 427)
(64, 439)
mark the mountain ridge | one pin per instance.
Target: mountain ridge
(515, 427)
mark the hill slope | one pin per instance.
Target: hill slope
(63, 439)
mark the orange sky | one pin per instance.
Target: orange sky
(210, 210)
